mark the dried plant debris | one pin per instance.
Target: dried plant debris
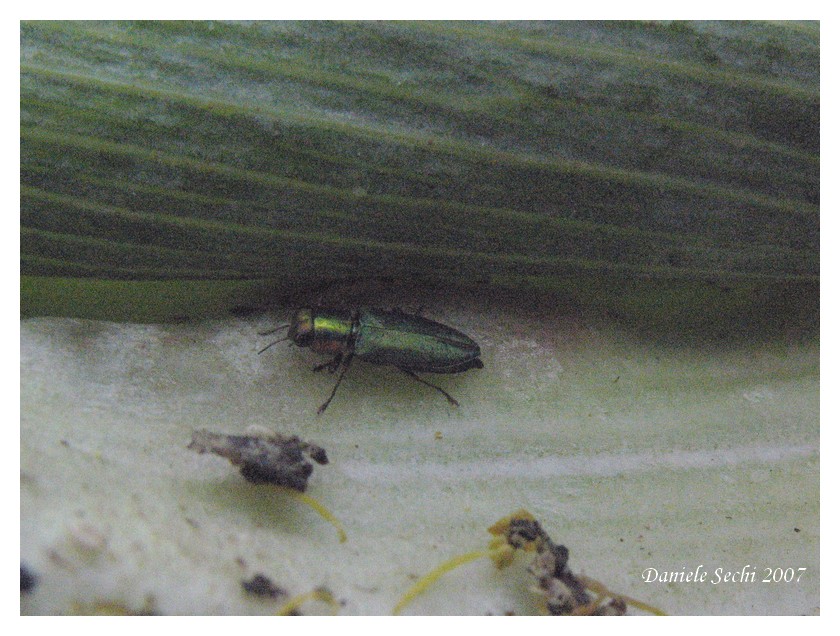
(28, 579)
(264, 459)
(565, 593)
(262, 586)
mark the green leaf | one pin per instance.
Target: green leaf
(495, 154)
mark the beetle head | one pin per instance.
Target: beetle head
(302, 327)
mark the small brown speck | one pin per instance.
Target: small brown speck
(28, 579)
(261, 585)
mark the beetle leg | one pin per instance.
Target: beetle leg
(345, 364)
(411, 374)
(331, 366)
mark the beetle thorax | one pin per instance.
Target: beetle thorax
(328, 332)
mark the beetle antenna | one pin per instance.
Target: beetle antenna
(413, 375)
(345, 364)
(266, 348)
(271, 331)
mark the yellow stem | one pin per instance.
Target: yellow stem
(650, 609)
(318, 594)
(438, 572)
(319, 508)
(600, 589)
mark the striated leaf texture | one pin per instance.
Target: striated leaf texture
(177, 169)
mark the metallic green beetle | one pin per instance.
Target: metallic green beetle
(407, 341)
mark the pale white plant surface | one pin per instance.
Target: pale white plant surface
(688, 457)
